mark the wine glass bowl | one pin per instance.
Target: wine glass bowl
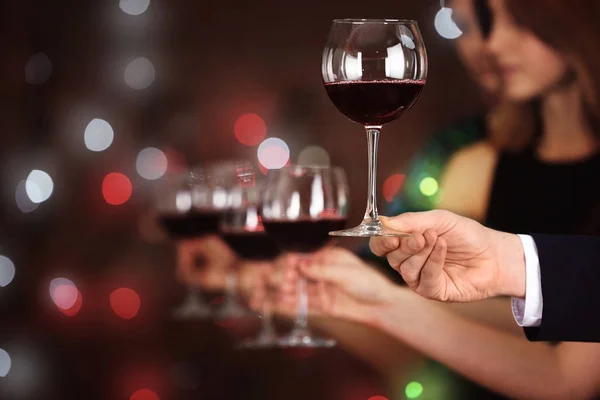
(374, 71)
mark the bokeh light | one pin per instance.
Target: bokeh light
(429, 186)
(7, 271)
(125, 302)
(413, 390)
(75, 308)
(22, 199)
(134, 7)
(139, 73)
(151, 163)
(39, 186)
(5, 363)
(273, 153)
(445, 26)
(38, 69)
(314, 155)
(144, 394)
(63, 293)
(392, 185)
(250, 129)
(98, 135)
(116, 188)
(378, 398)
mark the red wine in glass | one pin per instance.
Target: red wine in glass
(250, 245)
(302, 235)
(190, 224)
(374, 102)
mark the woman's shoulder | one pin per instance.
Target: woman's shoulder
(481, 152)
(468, 178)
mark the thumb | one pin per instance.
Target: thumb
(411, 222)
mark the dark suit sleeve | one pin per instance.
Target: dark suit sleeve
(570, 271)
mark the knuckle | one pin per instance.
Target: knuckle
(427, 274)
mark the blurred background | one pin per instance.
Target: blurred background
(101, 98)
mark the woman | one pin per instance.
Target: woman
(540, 179)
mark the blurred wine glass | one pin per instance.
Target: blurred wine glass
(301, 205)
(242, 229)
(189, 207)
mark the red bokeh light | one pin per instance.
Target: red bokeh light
(125, 303)
(75, 308)
(144, 394)
(392, 185)
(250, 129)
(116, 188)
(378, 398)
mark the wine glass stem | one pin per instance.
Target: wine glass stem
(302, 311)
(267, 314)
(231, 283)
(371, 216)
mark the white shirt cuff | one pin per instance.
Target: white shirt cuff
(528, 311)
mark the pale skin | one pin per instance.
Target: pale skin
(451, 258)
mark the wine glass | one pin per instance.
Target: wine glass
(301, 205)
(189, 207)
(373, 70)
(242, 229)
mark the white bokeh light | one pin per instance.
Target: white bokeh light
(22, 199)
(445, 25)
(98, 135)
(183, 201)
(5, 363)
(7, 271)
(314, 155)
(134, 7)
(39, 186)
(38, 69)
(273, 153)
(63, 293)
(151, 163)
(139, 73)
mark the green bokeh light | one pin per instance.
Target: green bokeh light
(429, 186)
(413, 390)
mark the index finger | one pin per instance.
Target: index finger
(381, 245)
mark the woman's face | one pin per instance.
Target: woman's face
(529, 68)
(471, 47)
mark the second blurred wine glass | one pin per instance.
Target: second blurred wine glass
(242, 229)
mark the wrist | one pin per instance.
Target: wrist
(385, 311)
(510, 258)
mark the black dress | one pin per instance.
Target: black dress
(533, 196)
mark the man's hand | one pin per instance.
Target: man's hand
(453, 259)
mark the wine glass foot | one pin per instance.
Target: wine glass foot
(264, 340)
(368, 230)
(191, 311)
(233, 310)
(303, 338)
